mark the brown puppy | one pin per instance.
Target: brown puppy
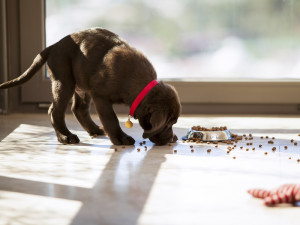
(96, 64)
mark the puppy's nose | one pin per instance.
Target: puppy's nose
(174, 138)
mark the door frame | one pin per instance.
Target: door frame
(32, 42)
(3, 57)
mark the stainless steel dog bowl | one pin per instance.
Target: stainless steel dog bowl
(223, 135)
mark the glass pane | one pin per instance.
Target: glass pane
(193, 39)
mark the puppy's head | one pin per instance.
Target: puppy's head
(160, 110)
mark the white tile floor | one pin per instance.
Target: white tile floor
(44, 182)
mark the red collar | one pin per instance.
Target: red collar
(140, 97)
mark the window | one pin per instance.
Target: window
(192, 39)
(225, 56)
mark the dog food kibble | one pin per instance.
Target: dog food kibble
(295, 143)
(234, 157)
(267, 137)
(270, 142)
(253, 149)
(239, 138)
(170, 144)
(192, 150)
(208, 150)
(261, 137)
(290, 157)
(247, 149)
(138, 149)
(141, 143)
(266, 153)
(274, 149)
(191, 146)
(215, 142)
(116, 149)
(285, 147)
(298, 160)
(292, 140)
(175, 151)
(260, 146)
(199, 128)
(208, 142)
(228, 152)
(273, 137)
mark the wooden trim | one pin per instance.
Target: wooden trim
(3, 57)
(32, 42)
(252, 92)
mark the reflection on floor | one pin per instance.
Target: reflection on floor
(44, 182)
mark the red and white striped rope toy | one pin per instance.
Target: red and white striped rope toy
(288, 193)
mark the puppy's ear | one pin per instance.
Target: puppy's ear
(158, 121)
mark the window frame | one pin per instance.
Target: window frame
(258, 93)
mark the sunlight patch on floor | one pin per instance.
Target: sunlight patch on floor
(33, 153)
(25, 209)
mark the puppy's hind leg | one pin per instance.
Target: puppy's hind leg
(80, 108)
(61, 97)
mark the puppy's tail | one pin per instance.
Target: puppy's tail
(38, 62)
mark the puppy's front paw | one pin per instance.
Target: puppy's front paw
(70, 139)
(96, 132)
(123, 140)
(127, 140)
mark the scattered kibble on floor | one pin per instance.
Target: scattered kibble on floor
(236, 139)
